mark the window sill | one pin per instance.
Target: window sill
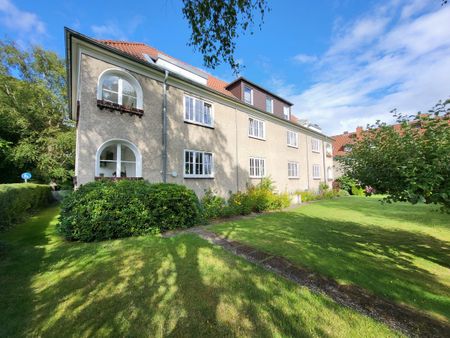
(199, 124)
(293, 178)
(257, 138)
(199, 177)
(102, 104)
(291, 146)
(316, 178)
(256, 177)
(315, 151)
(99, 178)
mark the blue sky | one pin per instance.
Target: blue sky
(343, 63)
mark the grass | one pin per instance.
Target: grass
(398, 251)
(152, 286)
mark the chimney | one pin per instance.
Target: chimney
(345, 132)
(359, 131)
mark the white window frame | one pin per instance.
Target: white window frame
(255, 167)
(288, 115)
(251, 94)
(316, 171)
(315, 145)
(119, 142)
(123, 75)
(193, 119)
(261, 128)
(328, 149)
(271, 104)
(291, 133)
(291, 172)
(330, 173)
(211, 175)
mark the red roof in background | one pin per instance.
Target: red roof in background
(138, 49)
(340, 141)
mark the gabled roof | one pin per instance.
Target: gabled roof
(139, 50)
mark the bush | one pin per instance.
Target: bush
(343, 193)
(107, 209)
(212, 205)
(346, 183)
(17, 200)
(257, 198)
(357, 190)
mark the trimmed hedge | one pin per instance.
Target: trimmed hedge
(106, 209)
(18, 199)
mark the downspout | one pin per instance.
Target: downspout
(164, 135)
(324, 165)
(307, 162)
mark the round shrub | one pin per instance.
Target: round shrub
(107, 209)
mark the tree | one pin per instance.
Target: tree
(32, 103)
(215, 26)
(408, 162)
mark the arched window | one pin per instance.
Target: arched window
(119, 87)
(118, 158)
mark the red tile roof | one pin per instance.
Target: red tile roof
(138, 49)
(340, 141)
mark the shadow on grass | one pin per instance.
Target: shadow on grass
(148, 286)
(399, 265)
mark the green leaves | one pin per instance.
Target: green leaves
(32, 105)
(409, 161)
(215, 26)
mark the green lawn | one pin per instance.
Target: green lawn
(152, 286)
(399, 251)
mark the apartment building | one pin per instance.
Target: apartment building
(141, 113)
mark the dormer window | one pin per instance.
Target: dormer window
(269, 104)
(118, 90)
(286, 112)
(248, 95)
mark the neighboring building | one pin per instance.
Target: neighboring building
(143, 114)
(342, 145)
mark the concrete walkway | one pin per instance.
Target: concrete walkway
(398, 317)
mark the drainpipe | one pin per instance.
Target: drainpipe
(307, 161)
(324, 165)
(164, 135)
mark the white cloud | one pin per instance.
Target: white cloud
(25, 24)
(399, 57)
(305, 58)
(112, 30)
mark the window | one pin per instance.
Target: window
(198, 164)
(292, 139)
(248, 95)
(329, 150)
(256, 128)
(119, 87)
(315, 145)
(292, 170)
(118, 159)
(347, 148)
(197, 111)
(316, 171)
(269, 105)
(286, 112)
(330, 173)
(257, 167)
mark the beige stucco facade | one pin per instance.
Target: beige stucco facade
(228, 140)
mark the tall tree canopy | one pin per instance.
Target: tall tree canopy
(215, 26)
(32, 103)
(409, 162)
